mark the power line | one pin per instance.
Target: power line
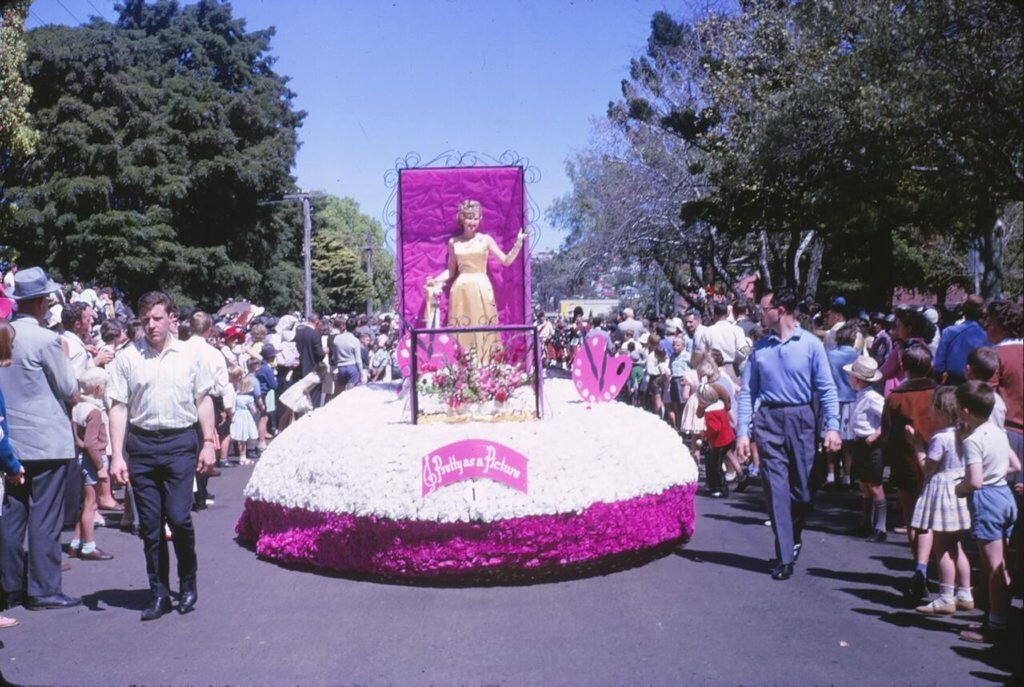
(68, 11)
(36, 16)
(98, 13)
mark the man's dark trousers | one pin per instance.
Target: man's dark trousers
(162, 468)
(785, 440)
(44, 489)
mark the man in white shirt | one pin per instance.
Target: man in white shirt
(722, 336)
(160, 393)
(78, 319)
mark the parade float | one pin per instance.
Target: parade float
(476, 464)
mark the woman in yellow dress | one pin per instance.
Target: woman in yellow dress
(471, 298)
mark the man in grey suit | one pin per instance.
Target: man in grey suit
(37, 387)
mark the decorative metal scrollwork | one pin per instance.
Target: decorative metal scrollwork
(455, 158)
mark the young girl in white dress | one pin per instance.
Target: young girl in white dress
(940, 510)
(243, 422)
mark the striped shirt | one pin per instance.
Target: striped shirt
(160, 389)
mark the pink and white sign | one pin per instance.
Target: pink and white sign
(597, 376)
(472, 459)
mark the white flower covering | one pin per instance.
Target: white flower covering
(358, 454)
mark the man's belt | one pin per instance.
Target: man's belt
(160, 433)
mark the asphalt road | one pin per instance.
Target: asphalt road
(705, 613)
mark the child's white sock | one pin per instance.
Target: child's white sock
(946, 592)
(88, 547)
(75, 544)
(964, 594)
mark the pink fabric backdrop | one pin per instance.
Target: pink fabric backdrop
(428, 202)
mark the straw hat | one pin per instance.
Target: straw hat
(864, 368)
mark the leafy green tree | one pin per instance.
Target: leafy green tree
(17, 138)
(341, 236)
(848, 144)
(163, 135)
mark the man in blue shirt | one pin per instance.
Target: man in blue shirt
(785, 370)
(957, 341)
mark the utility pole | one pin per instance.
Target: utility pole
(369, 271)
(307, 239)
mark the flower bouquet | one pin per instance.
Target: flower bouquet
(464, 388)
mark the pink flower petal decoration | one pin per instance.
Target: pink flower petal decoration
(435, 349)
(597, 376)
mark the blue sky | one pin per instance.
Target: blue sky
(382, 79)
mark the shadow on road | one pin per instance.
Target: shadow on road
(901, 563)
(731, 560)
(131, 599)
(875, 579)
(738, 519)
(497, 578)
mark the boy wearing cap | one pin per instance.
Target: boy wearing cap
(866, 449)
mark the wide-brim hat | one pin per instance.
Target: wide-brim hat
(33, 282)
(864, 368)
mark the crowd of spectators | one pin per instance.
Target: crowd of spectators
(903, 379)
(924, 393)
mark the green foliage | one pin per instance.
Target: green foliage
(17, 137)
(163, 136)
(341, 235)
(845, 144)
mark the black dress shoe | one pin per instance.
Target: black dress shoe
(42, 603)
(782, 572)
(12, 600)
(189, 596)
(877, 537)
(157, 607)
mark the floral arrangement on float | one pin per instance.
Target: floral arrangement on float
(461, 387)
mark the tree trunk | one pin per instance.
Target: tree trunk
(802, 245)
(881, 279)
(814, 266)
(763, 268)
(991, 230)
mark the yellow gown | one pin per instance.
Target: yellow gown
(471, 298)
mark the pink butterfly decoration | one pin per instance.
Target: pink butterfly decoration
(431, 350)
(597, 376)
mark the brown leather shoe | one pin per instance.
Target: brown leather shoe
(96, 554)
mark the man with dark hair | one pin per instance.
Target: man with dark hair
(78, 318)
(160, 392)
(882, 345)
(957, 341)
(37, 386)
(722, 336)
(741, 311)
(782, 372)
(310, 347)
